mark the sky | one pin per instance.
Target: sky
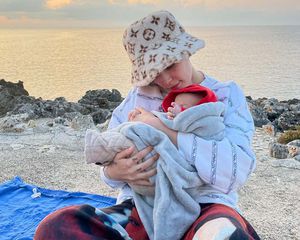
(120, 13)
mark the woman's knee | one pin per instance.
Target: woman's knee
(56, 223)
(220, 228)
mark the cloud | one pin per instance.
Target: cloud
(154, 2)
(215, 4)
(56, 4)
(123, 12)
(20, 5)
(135, 2)
(240, 4)
(20, 21)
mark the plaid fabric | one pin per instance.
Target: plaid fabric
(121, 222)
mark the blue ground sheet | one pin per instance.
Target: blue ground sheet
(23, 206)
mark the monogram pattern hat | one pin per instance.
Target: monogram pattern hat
(155, 43)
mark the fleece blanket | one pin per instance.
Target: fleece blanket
(175, 206)
(23, 206)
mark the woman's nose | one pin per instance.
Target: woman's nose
(164, 79)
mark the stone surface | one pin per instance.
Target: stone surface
(278, 150)
(14, 100)
(9, 92)
(283, 115)
(52, 157)
(42, 141)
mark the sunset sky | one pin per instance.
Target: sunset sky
(119, 13)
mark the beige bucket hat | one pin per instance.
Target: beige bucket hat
(156, 42)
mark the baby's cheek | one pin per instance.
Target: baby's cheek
(177, 108)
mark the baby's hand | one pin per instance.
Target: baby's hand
(142, 115)
(173, 110)
(132, 114)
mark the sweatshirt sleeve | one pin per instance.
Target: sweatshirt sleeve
(119, 115)
(225, 164)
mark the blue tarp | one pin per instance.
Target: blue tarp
(20, 213)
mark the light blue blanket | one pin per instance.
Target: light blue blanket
(175, 206)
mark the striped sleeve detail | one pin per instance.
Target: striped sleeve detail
(251, 166)
(243, 117)
(234, 167)
(194, 149)
(118, 119)
(149, 97)
(221, 197)
(214, 162)
(245, 132)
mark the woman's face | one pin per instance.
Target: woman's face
(178, 75)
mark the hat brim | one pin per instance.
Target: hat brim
(154, 61)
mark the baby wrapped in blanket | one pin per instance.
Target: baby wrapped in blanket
(101, 147)
(193, 109)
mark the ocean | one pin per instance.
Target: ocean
(264, 61)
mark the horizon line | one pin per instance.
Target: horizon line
(117, 27)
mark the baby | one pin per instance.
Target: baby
(179, 100)
(101, 147)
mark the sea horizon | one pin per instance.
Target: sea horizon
(67, 62)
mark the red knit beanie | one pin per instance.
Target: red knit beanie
(208, 94)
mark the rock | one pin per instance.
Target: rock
(287, 163)
(260, 117)
(14, 89)
(293, 151)
(82, 122)
(9, 92)
(278, 150)
(283, 115)
(103, 126)
(100, 103)
(295, 143)
(14, 123)
(269, 129)
(61, 121)
(288, 120)
(101, 116)
(17, 146)
(274, 109)
(294, 148)
(31, 124)
(101, 97)
(71, 115)
(14, 99)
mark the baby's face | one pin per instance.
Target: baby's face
(187, 100)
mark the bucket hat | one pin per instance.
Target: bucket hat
(154, 43)
(208, 95)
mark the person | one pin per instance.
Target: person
(101, 148)
(178, 100)
(159, 49)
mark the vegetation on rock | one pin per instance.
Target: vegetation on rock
(290, 135)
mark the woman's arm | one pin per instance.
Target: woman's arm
(125, 167)
(226, 164)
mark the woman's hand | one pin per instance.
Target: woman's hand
(132, 114)
(131, 169)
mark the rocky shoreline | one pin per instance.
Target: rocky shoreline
(42, 141)
(18, 111)
(14, 100)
